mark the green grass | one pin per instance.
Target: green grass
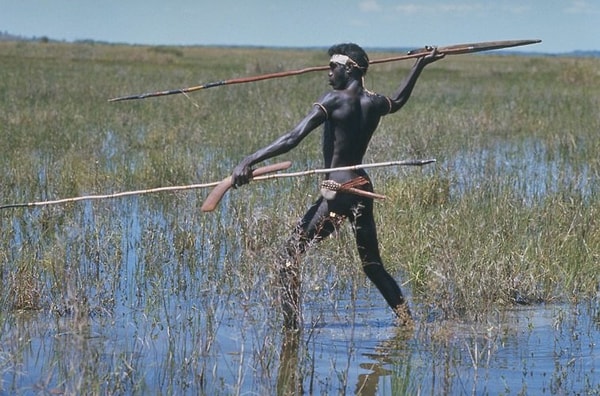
(508, 214)
(62, 138)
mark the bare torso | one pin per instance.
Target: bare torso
(350, 126)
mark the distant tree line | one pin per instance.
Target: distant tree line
(6, 36)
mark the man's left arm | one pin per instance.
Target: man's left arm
(402, 94)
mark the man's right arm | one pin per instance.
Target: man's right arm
(243, 172)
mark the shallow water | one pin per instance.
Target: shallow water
(146, 300)
(527, 350)
(528, 168)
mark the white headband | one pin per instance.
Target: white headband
(343, 60)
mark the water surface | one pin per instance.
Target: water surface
(142, 298)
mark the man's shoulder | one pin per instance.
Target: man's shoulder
(332, 95)
(332, 99)
(343, 98)
(376, 99)
(343, 95)
(373, 95)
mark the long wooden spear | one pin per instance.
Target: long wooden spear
(262, 173)
(215, 196)
(448, 50)
(257, 172)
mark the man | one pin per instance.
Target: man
(350, 115)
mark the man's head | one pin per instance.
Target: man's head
(350, 55)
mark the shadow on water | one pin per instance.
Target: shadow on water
(140, 298)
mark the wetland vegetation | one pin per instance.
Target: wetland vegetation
(497, 244)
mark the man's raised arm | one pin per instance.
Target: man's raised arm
(402, 94)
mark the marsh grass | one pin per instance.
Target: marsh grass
(508, 216)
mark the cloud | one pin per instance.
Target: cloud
(462, 8)
(369, 6)
(437, 8)
(410, 8)
(581, 7)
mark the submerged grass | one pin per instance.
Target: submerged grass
(508, 215)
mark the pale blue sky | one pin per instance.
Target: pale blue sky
(563, 25)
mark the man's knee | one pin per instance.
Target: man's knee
(372, 269)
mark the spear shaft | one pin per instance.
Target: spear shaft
(215, 196)
(257, 172)
(448, 50)
(261, 173)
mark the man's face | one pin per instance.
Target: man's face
(338, 75)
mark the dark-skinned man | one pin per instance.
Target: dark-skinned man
(349, 115)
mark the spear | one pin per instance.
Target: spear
(221, 187)
(215, 196)
(457, 49)
(257, 172)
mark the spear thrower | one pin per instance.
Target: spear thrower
(457, 49)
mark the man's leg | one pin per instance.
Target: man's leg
(368, 248)
(314, 226)
(289, 295)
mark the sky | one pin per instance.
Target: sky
(562, 25)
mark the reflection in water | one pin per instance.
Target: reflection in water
(140, 316)
(533, 349)
(288, 378)
(140, 297)
(382, 360)
(374, 365)
(200, 340)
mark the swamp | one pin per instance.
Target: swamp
(496, 244)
